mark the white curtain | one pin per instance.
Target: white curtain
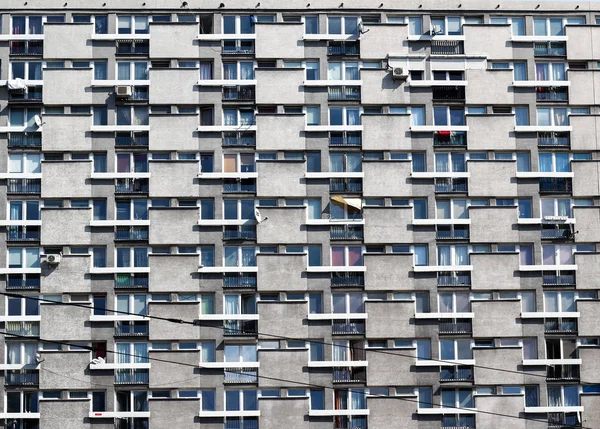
(340, 351)
(441, 162)
(358, 399)
(16, 210)
(123, 70)
(205, 71)
(123, 353)
(13, 353)
(444, 255)
(246, 70)
(461, 255)
(140, 350)
(248, 257)
(232, 305)
(230, 71)
(554, 396)
(29, 351)
(352, 117)
(334, 71)
(139, 304)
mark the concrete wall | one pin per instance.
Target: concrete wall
(391, 176)
(383, 267)
(504, 185)
(169, 132)
(485, 85)
(386, 132)
(388, 224)
(281, 178)
(67, 133)
(496, 319)
(78, 232)
(55, 35)
(66, 179)
(174, 86)
(290, 37)
(586, 177)
(177, 226)
(381, 88)
(382, 40)
(280, 132)
(162, 172)
(65, 414)
(491, 269)
(279, 86)
(74, 84)
(390, 319)
(277, 272)
(491, 132)
(292, 219)
(163, 34)
(170, 272)
(492, 41)
(65, 370)
(489, 224)
(287, 364)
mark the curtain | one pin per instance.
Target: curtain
(565, 254)
(140, 255)
(232, 305)
(123, 165)
(122, 355)
(562, 162)
(140, 162)
(521, 116)
(564, 207)
(352, 117)
(230, 71)
(208, 304)
(16, 210)
(246, 117)
(205, 70)
(448, 399)
(15, 163)
(231, 256)
(358, 399)
(523, 161)
(544, 116)
(352, 71)
(558, 71)
(336, 162)
(417, 115)
(13, 351)
(415, 25)
(461, 255)
(340, 351)
(140, 71)
(545, 161)
(462, 303)
(465, 398)
(548, 255)
(354, 256)
(337, 256)
(444, 255)
(560, 117)
(551, 301)
(458, 162)
(33, 163)
(32, 258)
(207, 256)
(531, 396)
(571, 396)
(443, 209)
(123, 257)
(441, 162)
(248, 257)
(353, 162)
(140, 116)
(520, 71)
(314, 209)
(139, 304)
(567, 301)
(246, 70)
(526, 254)
(208, 352)
(35, 70)
(123, 115)
(554, 396)
(123, 71)
(542, 71)
(140, 350)
(460, 209)
(445, 302)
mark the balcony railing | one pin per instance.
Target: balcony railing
(131, 329)
(138, 280)
(554, 139)
(139, 139)
(458, 326)
(346, 232)
(243, 281)
(343, 48)
(132, 376)
(33, 94)
(554, 233)
(452, 234)
(563, 421)
(451, 185)
(564, 278)
(239, 186)
(562, 372)
(448, 93)
(458, 278)
(349, 375)
(560, 326)
(133, 47)
(140, 93)
(238, 47)
(239, 233)
(236, 423)
(343, 279)
(456, 374)
(241, 375)
(29, 140)
(239, 93)
(345, 185)
(23, 233)
(131, 233)
(544, 93)
(556, 185)
(348, 327)
(349, 138)
(131, 186)
(24, 378)
(23, 328)
(24, 186)
(239, 139)
(550, 49)
(447, 47)
(240, 327)
(450, 138)
(345, 93)
(27, 47)
(16, 281)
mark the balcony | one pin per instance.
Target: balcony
(556, 185)
(560, 326)
(236, 423)
(346, 232)
(31, 94)
(17, 281)
(558, 232)
(131, 186)
(239, 93)
(562, 372)
(241, 375)
(447, 47)
(238, 47)
(25, 140)
(27, 47)
(24, 186)
(239, 139)
(349, 375)
(348, 327)
(554, 139)
(23, 328)
(451, 374)
(22, 233)
(345, 185)
(241, 186)
(239, 281)
(452, 234)
(131, 233)
(458, 278)
(131, 139)
(544, 93)
(351, 49)
(563, 421)
(131, 329)
(450, 138)
(239, 233)
(564, 278)
(550, 49)
(132, 376)
(240, 327)
(23, 378)
(133, 47)
(139, 280)
(343, 93)
(451, 185)
(448, 93)
(349, 138)
(455, 326)
(346, 279)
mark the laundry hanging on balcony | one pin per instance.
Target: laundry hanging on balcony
(444, 135)
(17, 84)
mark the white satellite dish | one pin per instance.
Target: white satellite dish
(257, 216)
(38, 120)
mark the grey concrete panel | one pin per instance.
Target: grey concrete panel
(174, 86)
(382, 269)
(390, 319)
(279, 86)
(277, 413)
(393, 413)
(494, 224)
(503, 358)
(174, 226)
(586, 178)
(587, 221)
(504, 185)
(485, 85)
(164, 330)
(384, 371)
(56, 34)
(288, 35)
(163, 35)
(74, 84)
(174, 369)
(280, 178)
(586, 132)
(281, 272)
(65, 414)
(289, 219)
(71, 275)
(65, 370)
(588, 318)
(64, 179)
(74, 322)
(500, 406)
(388, 224)
(492, 41)
(173, 273)
(583, 86)
(179, 413)
(491, 132)
(163, 175)
(67, 133)
(173, 132)
(382, 40)
(588, 270)
(381, 88)
(78, 233)
(387, 178)
(280, 132)
(282, 318)
(496, 319)
(386, 132)
(288, 364)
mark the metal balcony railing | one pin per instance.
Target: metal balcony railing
(550, 49)
(241, 375)
(349, 375)
(560, 326)
(131, 186)
(239, 187)
(447, 47)
(563, 421)
(133, 47)
(346, 232)
(138, 139)
(240, 327)
(132, 376)
(27, 47)
(451, 185)
(23, 328)
(564, 278)
(140, 93)
(24, 378)
(562, 372)
(22, 140)
(138, 280)
(348, 138)
(16, 281)
(243, 281)
(239, 93)
(554, 139)
(131, 329)
(33, 94)
(556, 185)
(452, 234)
(458, 278)
(450, 138)
(544, 93)
(24, 186)
(131, 233)
(458, 326)
(343, 48)
(343, 279)
(236, 423)
(239, 233)
(239, 139)
(456, 374)
(344, 93)
(345, 185)
(23, 233)
(238, 47)
(348, 327)
(448, 93)
(553, 233)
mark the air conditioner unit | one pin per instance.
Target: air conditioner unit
(53, 258)
(123, 91)
(398, 73)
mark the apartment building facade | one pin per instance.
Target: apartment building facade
(333, 215)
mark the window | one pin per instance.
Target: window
(456, 349)
(450, 162)
(557, 207)
(132, 70)
(344, 70)
(554, 26)
(563, 396)
(131, 257)
(521, 115)
(242, 256)
(351, 302)
(313, 115)
(447, 26)
(23, 116)
(28, 70)
(31, 24)
(552, 116)
(240, 353)
(24, 210)
(519, 68)
(415, 23)
(345, 162)
(453, 255)
(22, 306)
(344, 116)
(243, 24)
(557, 254)
(448, 75)
(550, 71)
(238, 117)
(132, 162)
(517, 24)
(127, 24)
(342, 25)
(132, 209)
(560, 301)
(444, 116)
(311, 24)
(239, 163)
(349, 256)
(454, 302)
(242, 70)
(135, 303)
(132, 115)
(23, 257)
(24, 163)
(21, 353)
(457, 398)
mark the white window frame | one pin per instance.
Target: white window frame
(130, 301)
(239, 255)
(131, 161)
(25, 156)
(131, 209)
(132, 116)
(238, 160)
(345, 114)
(132, 70)
(24, 257)
(452, 253)
(451, 201)
(449, 161)
(132, 22)
(453, 302)
(559, 300)
(21, 352)
(239, 206)
(131, 254)
(238, 69)
(239, 352)
(343, 24)
(343, 65)
(26, 69)
(552, 120)
(447, 77)
(551, 65)
(445, 31)
(23, 301)
(509, 21)
(22, 399)
(457, 396)
(363, 249)
(557, 252)
(448, 116)
(394, 19)
(565, 21)
(44, 20)
(455, 343)
(27, 112)
(347, 300)
(238, 121)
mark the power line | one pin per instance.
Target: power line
(199, 323)
(309, 385)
